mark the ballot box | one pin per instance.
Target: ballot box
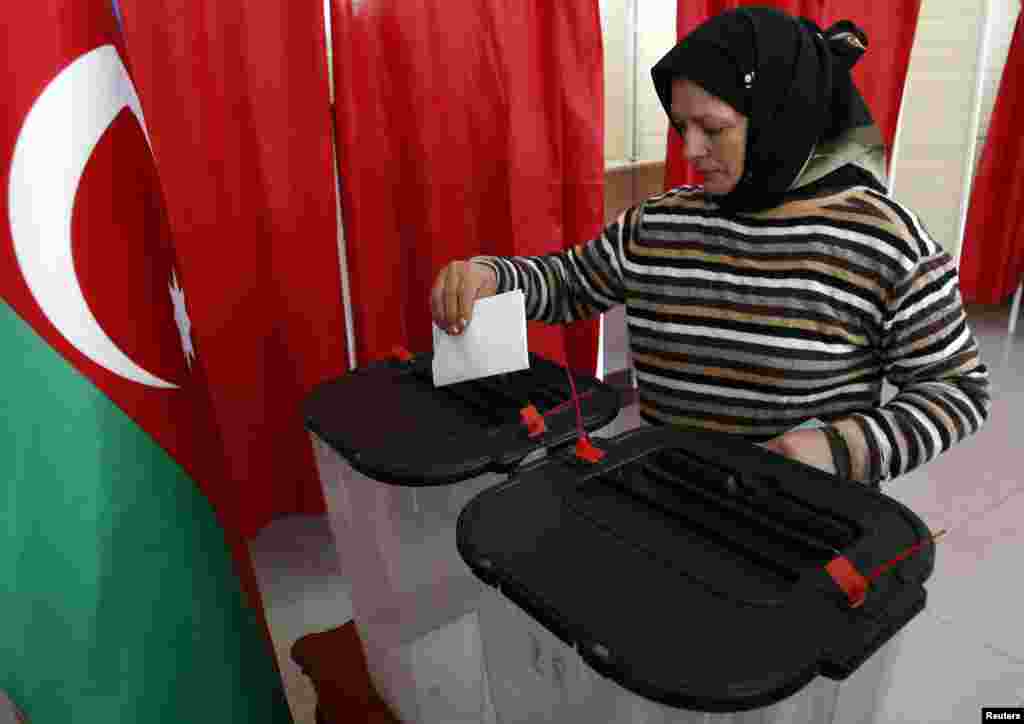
(399, 458)
(689, 577)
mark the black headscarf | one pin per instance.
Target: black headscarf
(788, 77)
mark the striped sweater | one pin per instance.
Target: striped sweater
(753, 323)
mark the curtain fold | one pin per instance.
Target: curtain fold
(880, 75)
(464, 130)
(992, 261)
(236, 99)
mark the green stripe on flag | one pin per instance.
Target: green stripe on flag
(118, 601)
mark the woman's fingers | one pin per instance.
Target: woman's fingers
(472, 282)
(437, 299)
(458, 286)
(452, 281)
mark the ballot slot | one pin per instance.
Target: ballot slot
(471, 405)
(487, 403)
(497, 400)
(553, 389)
(536, 386)
(516, 388)
(628, 506)
(784, 506)
(762, 494)
(687, 494)
(717, 517)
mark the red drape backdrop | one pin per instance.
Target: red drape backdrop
(880, 74)
(236, 100)
(464, 129)
(992, 261)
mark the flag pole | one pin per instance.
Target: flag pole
(346, 289)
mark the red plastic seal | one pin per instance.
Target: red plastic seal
(853, 583)
(585, 450)
(533, 420)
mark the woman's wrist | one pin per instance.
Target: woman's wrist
(840, 452)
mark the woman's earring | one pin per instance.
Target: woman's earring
(748, 80)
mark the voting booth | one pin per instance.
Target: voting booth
(689, 577)
(399, 459)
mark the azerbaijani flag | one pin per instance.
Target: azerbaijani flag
(119, 601)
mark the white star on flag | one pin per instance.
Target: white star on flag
(181, 317)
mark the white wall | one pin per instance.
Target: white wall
(636, 34)
(656, 26)
(940, 118)
(617, 37)
(959, 51)
(1002, 19)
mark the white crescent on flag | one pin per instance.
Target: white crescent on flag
(54, 145)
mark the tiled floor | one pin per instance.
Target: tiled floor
(964, 652)
(304, 592)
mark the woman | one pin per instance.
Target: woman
(789, 285)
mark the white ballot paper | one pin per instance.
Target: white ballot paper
(493, 343)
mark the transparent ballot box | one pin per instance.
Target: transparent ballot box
(399, 458)
(689, 577)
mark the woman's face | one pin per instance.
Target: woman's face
(714, 133)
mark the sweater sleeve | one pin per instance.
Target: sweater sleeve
(930, 355)
(577, 283)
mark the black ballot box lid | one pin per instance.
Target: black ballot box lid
(690, 566)
(392, 424)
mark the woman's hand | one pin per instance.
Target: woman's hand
(807, 446)
(458, 286)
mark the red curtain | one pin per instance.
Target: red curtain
(992, 262)
(236, 100)
(880, 74)
(464, 129)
